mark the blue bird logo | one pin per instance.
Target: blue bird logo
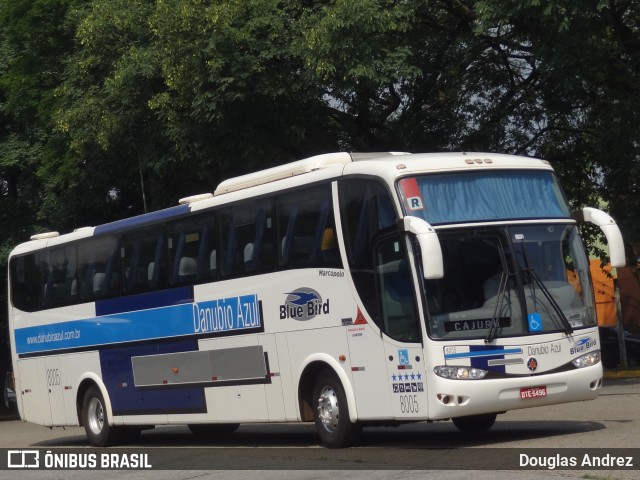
(303, 298)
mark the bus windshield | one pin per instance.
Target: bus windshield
(486, 195)
(509, 281)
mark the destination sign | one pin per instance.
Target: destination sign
(476, 324)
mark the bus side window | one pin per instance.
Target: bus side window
(98, 269)
(27, 285)
(247, 239)
(143, 261)
(45, 277)
(396, 299)
(306, 229)
(254, 249)
(366, 209)
(191, 244)
(60, 287)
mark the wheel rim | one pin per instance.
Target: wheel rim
(95, 416)
(328, 409)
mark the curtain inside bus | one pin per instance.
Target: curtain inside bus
(482, 196)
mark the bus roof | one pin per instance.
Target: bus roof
(387, 165)
(296, 168)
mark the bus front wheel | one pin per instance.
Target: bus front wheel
(332, 412)
(475, 423)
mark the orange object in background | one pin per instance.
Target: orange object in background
(628, 284)
(604, 291)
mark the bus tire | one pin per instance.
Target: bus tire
(213, 429)
(331, 412)
(96, 424)
(475, 423)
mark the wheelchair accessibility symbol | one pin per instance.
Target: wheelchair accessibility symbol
(403, 356)
(535, 322)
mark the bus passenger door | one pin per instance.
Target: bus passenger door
(386, 361)
(273, 388)
(368, 358)
(399, 320)
(406, 378)
(33, 391)
(55, 390)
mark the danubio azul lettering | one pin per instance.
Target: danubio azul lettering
(226, 314)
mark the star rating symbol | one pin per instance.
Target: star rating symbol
(399, 377)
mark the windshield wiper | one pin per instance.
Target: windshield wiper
(564, 323)
(533, 275)
(495, 319)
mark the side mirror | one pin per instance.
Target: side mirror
(432, 263)
(611, 231)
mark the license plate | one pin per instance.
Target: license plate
(533, 392)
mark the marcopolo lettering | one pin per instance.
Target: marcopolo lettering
(303, 304)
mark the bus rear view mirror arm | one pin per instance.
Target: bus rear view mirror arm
(611, 231)
(432, 265)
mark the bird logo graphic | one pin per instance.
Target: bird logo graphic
(302, 298)
(303, 304)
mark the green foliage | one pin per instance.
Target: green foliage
(111, 107)
(35, 38)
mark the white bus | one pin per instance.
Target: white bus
(344, 289)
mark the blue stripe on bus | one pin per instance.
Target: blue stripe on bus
(161, 298)
(214, 317)
(484, 353)
(127, 399)
(140, 220)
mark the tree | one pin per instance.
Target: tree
(587, 54)
(235, 90)
(140, 103)
(35, 37)
(115, 144)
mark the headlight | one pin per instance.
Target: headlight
(587, 360)
(460, 373)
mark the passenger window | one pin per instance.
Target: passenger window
(306, 229)
(366, 209)
(61, 287)
(98, 275)
(28, 280)
(247, 239)
(398, 314)
(143, 261)
(193, 250)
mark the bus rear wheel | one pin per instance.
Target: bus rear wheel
(475, 423)
(96, 424)
(332, 413)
